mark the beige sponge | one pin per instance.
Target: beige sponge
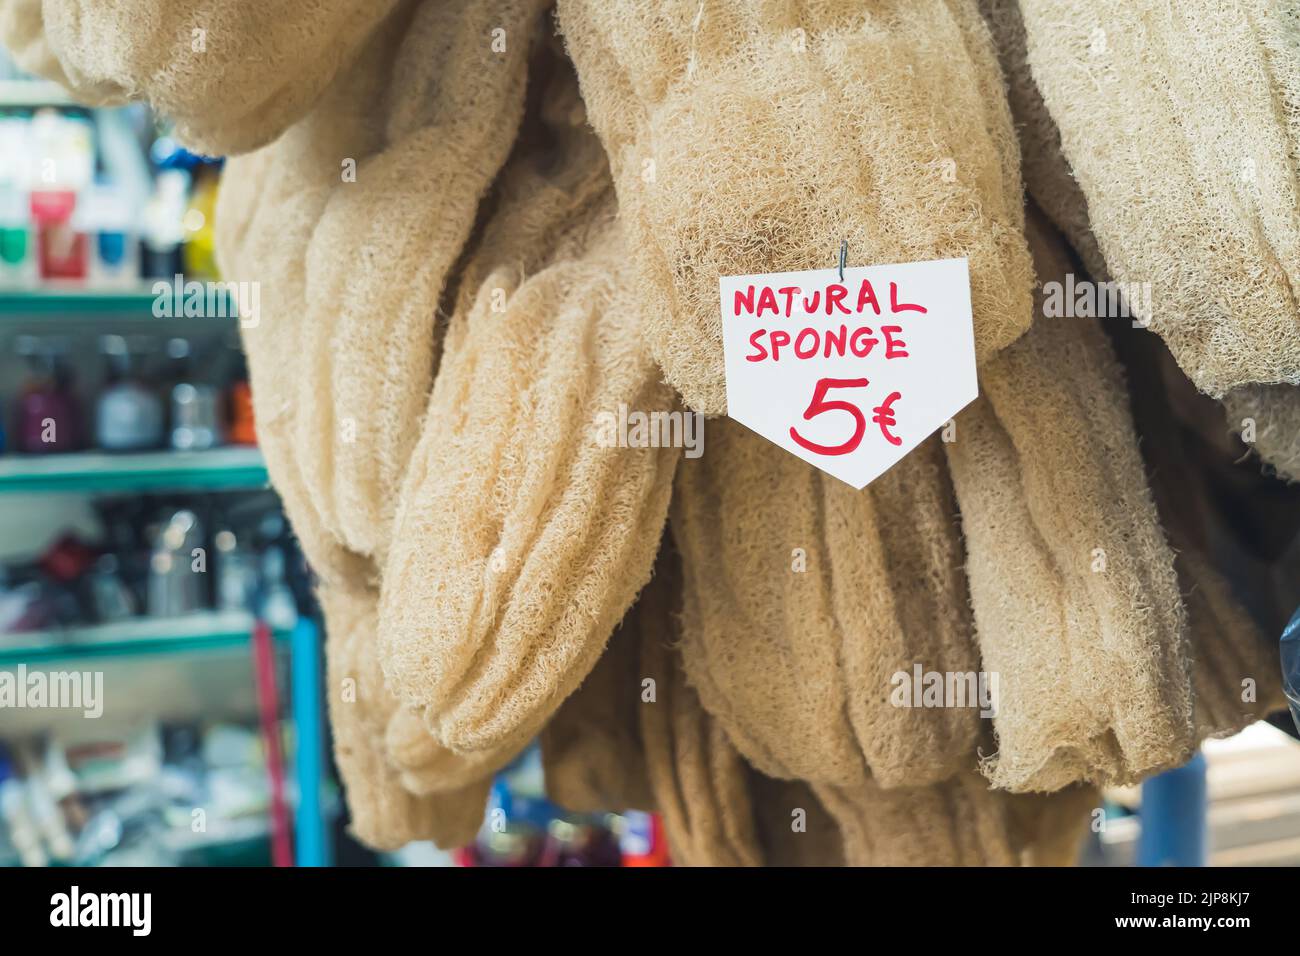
(793, 827)
(958, 823)
(351, 223)
(1268, 418)
(699, 780)
(592, 753)
(525, 529)
(1209, 95)
(232, 74)
(753, 137)
(1076, 599)
(385, 815)
(805, 600)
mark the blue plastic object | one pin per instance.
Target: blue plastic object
(1290, 653)
(311, 843)
(1173, 817)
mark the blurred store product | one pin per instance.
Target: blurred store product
(175, 587)
(129, 414)
(48, 415)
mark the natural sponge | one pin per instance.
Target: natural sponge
(232, 74)
(1076, 599)
(351, 224)
(1209, 94)
(1046, 172)
(385, 815)
(592, 754)
(805, 600)
(699, 781)
(793, 827)
(958, 823)
(753, 137)
(525, 529)
(1269, 415)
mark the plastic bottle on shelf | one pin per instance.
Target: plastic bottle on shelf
(164, 226)
(236, 573)
(48, 417)
(63, 165)
(128, 415)
(195, 407)
(175, 587)
(279, 609)
(108, 221)
(199, 253)
(17, 267)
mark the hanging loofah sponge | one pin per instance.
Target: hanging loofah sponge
(699, 781)
(805, 601)
(351, 269)
(232, 74)
(1235, 667)
(958, 823)
(385, 815)
(1208, 94)
(1270, 416)
(592, 753)
(1076, 600)
(525, 530)
(793, 827)
(753, 137)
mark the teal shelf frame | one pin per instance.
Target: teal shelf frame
(136, 637)
(220, 469)
(78, 301)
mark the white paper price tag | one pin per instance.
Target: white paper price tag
(849, 375)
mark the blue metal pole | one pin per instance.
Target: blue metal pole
(312, 847)
(1173, 817)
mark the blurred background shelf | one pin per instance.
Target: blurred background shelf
(78, 301)
(219, 469)
(137, 637)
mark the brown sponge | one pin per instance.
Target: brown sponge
(385, 815)
(753, 137)
(351, 268)
(804, 598)
(1047, 174)
(794, 828)
(1208, 94)
(592, 753)
(699, 781)
(523, 534)
(232, 74)
(958, 823)
(1272, 414)
(1212, 506)
(1076, 599)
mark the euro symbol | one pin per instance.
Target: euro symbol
(884, 417)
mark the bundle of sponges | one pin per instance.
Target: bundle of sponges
(1072, 581)
(639, 724)
(460, 278)
(233, 74)
(1210, 95)
(753, 137)
(1228, 158)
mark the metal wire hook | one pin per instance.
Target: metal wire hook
(844, 255)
